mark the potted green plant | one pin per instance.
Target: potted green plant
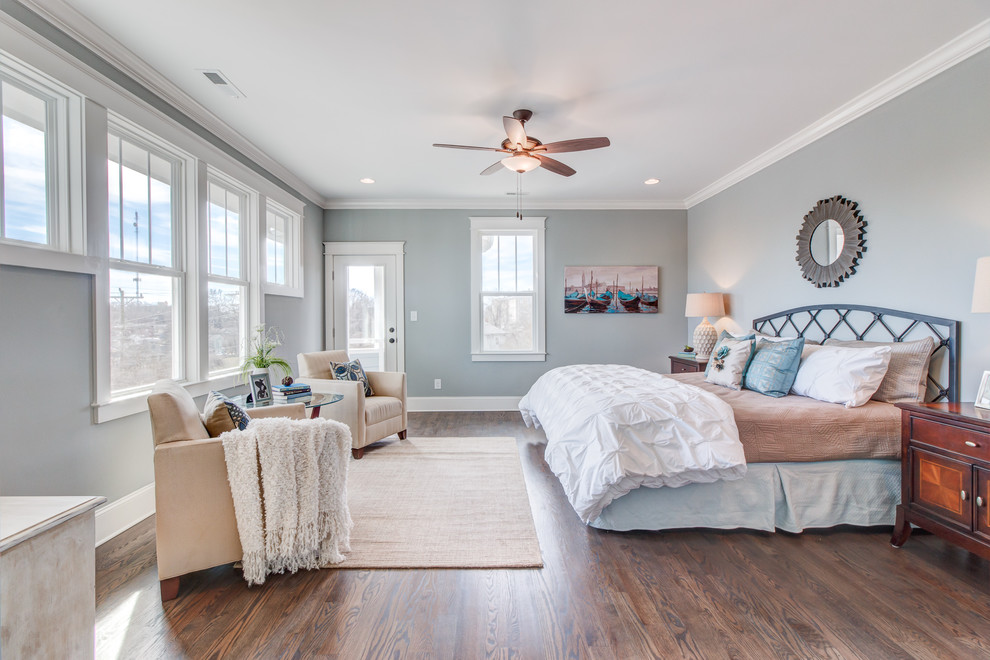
(260, 353)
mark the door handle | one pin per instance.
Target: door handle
(962, 493)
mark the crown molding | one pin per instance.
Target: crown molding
(966, 45)
(66, 18)
(500, 203)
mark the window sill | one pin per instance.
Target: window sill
(137, 403)
(45, 258)
(508, 357)
(282, 290)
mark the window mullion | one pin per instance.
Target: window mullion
(120, 189)
(3, 205)
(151, 258)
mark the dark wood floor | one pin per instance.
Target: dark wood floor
(697, 594)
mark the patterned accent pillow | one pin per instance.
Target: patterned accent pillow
(774, 366)
(352, 371)
(725, 335)
(728, 362)
(220, 414)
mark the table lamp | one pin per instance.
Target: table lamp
(705, 305)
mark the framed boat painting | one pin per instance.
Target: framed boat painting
(611, 289)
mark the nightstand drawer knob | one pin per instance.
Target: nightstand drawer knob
(962, 493)
(979, 501)
(970, 443)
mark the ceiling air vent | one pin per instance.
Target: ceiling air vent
(221, 81)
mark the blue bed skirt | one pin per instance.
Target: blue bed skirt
(788, 496)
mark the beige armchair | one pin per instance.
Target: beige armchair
(194, 510)
(370, 418)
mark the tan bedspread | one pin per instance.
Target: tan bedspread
(798, 429)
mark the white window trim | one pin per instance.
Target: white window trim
(185, 266)
(250, 255)
(66, 222)
(293, 251)
(509, 225)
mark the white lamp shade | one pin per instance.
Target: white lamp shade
(981, 286)
(705, 304)
(521, 163)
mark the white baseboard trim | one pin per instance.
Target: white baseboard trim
(124, 513)
(462, 403)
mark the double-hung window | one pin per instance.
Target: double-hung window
(507, 289)
(283, 251)
(230, 296)
(40, 175)
(146, 300)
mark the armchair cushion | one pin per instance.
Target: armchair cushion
(352, 371)
(220, 414)
(379, 408)
(174, 414)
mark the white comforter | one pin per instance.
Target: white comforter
(613, 428)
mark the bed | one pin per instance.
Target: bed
(808, 464)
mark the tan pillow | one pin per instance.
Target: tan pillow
(907, 376)
(220, 414)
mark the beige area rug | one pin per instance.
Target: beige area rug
(441, 503)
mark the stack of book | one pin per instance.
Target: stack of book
(690, 355)
(295, 393)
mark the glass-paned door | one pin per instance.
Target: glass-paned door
(365, 317)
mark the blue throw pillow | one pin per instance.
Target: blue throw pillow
(352, 371)
(725, 335)
(774, 366)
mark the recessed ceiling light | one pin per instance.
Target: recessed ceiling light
(367, 180)
(652, 182)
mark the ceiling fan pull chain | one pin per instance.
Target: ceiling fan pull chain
(519, 195)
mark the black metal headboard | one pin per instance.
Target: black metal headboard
(863, 322)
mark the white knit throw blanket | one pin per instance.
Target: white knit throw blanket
(299, 517)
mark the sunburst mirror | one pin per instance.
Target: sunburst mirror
(831, 242)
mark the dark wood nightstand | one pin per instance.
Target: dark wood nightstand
(685, 365)
(945, 474)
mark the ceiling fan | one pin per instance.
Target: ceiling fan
(527, 153)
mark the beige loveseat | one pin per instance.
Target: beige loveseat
(195, 524)
(371, 418)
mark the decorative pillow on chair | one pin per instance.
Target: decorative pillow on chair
(221, 414)
(728, 362)
(774, 366)
(352, 371)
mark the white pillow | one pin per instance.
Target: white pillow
(837, 374)
(728, 370)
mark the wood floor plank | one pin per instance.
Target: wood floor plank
(678, 594)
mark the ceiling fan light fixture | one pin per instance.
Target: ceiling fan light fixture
(521, 163)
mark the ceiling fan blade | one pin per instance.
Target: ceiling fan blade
(491, 169)
(581, 144)
(461, 146)
(555, 166)
(517, 134)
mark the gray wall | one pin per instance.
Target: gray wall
(919, 166)
(48, 445)
(437, 276)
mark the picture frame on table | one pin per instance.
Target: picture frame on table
(261, 389)
(983, 394)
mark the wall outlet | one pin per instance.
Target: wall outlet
(436, 384)
(413, 316)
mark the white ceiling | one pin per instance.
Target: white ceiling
(687, 91)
